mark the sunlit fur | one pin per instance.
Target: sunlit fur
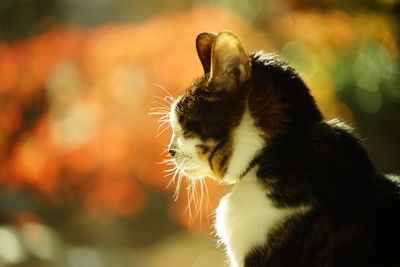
(305, 192)
(187, 156)
(196, 190)
(240, 233)
(247, 196)
(247, 143)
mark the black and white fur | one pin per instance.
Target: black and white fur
(304, 192)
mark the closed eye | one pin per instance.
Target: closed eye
(194, 126)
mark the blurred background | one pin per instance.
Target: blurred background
(80, 179)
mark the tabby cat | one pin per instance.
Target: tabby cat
(304, 192)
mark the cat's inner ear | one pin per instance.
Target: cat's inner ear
(230, 65)
(204, 43)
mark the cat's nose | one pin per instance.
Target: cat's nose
(172, 152)
(172, 146)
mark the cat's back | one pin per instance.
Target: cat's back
(353, 218)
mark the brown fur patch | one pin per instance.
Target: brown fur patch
(219, 158)
(208, 113)
(216, 155)
(267, 108)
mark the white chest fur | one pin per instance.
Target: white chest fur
(245, 216)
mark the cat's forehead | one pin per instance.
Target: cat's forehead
(173, 118)
(194, 99)
(201, 111)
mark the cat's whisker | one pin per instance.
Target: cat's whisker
(189, 204)
(202, 191)
(178, 186)
(170, 170)
(158, 113)
(168, 100)
(166, 161)
(169, 174)
(162, 125)
(165, 101)
(204, 182)
(164, 152)
(161, 107)
(198, 199)
(201, 182)
(194, 200)
(164, 118)
(165, 114)
(164, 122)
(175, 173)
(164, 89)
(160, 133)
(190, 189)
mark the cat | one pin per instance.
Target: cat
(304, 191)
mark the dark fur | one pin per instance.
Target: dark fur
(353, 221)
(208, 114)
(354, 218)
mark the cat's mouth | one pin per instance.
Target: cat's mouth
(189, 169)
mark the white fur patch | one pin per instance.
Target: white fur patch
(246, 216)
(247, 143)
(186, 157)
(394, 178)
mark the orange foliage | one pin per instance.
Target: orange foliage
(75, 102)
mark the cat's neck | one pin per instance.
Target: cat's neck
(247, 144)
(312, 164)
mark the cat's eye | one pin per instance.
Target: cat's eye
(194, 126)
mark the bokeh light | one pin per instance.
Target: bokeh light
(81, 182)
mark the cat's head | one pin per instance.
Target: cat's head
(229, 114)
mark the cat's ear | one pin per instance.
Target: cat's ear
(230, 65)
(204, 43)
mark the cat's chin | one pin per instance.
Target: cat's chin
(196, 175)
(202, 173)
(193, 174)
